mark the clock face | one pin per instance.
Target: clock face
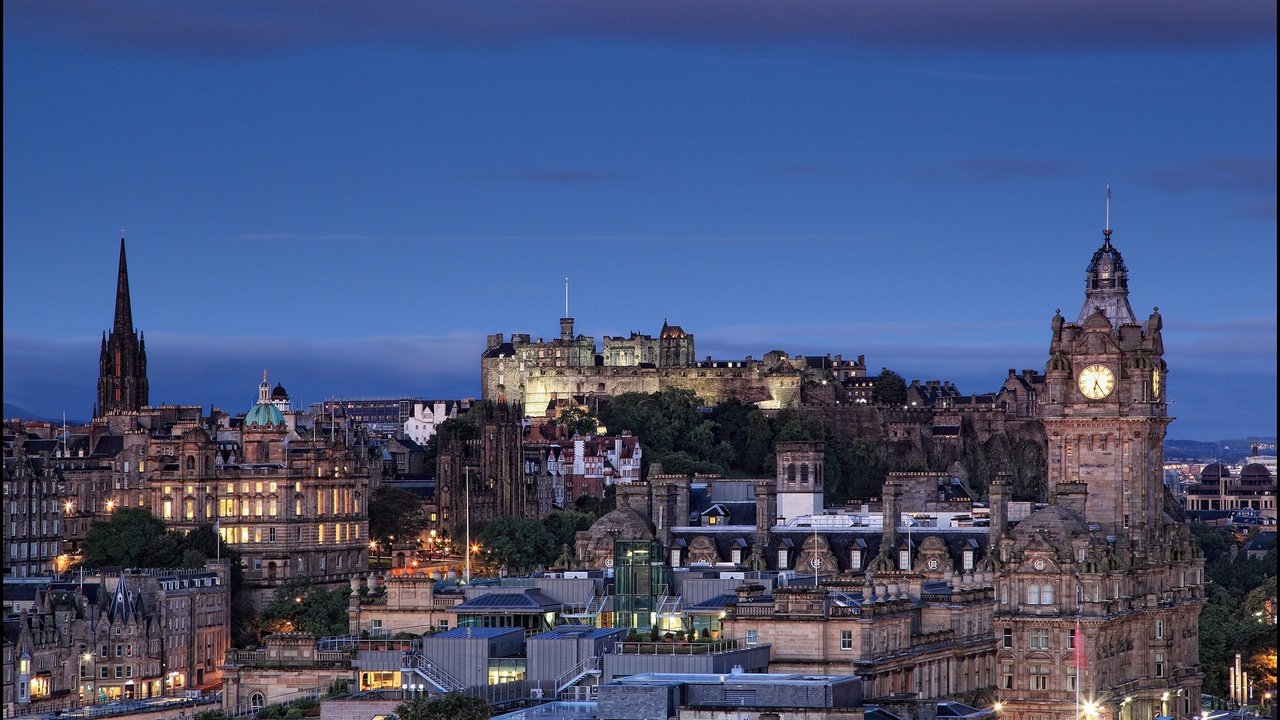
(1039, 564)
(1096, 381)
(1155, 383)
(933, 563)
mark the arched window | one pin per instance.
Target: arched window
(189, 508)
(1033, 594)
(191, 462)
(1046, 595)
(804, 474)
(791, 473)
(256, 701)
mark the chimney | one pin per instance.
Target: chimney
(494, 341)
(1072, 496)
(766, 510)
(999, 497)
(891, 498)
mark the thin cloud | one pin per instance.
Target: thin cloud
(240, 27)
(804, 169)
(995, 169)
(299, 238)
(563, 176)
(1246, 174)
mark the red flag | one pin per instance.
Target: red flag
(1079, 643)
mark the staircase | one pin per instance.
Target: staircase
(589, 667)
(669, 606)
(415, 662)
(587, 613)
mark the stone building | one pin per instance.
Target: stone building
(484, 477)
(1100, 592)
(1254, 490)
(534, 375)
(288, 668)
(32, 504)
(131, 634)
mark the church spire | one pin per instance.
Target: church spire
(122, 363)
(124, 311)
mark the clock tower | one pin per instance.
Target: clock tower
(1104, 409)
(1099, 591)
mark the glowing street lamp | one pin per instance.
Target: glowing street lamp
(68, 506)
(111, 505)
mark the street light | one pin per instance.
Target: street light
(467, 472)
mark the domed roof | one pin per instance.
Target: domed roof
(1213, 472)
(279, 393)
(1256, 471)
(1055, 524)
(622, 524)
(264, 414)
(1107, 258)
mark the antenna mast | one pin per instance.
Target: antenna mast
(1107, 230)
(566, 297)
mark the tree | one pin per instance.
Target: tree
(889, 388)
(454, 706)
(579, 420)
(562, 525)
(300, 606)
(131, 537)
(518, 544)
(395, 512)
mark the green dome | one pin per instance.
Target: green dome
(264, 414)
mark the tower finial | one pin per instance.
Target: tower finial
(1106, 231)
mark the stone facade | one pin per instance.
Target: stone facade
(32, 504)
(409, 604)
(135, 634)
(484, 477)
(535, 375)
(1100, 592)
(290, 667)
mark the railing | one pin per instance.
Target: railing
(588, 667)
(753, 611)
(669, 605)
(677, 648)
(586, 611)
(433, 673)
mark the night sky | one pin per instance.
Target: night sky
(352, 196)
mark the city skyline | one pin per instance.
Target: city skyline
(353, 201)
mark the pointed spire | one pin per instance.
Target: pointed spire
(124, 311)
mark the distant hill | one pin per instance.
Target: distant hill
(14, 412)
(1228, 451)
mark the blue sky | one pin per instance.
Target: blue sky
(354, 196)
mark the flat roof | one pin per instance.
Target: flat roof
(734, 678)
